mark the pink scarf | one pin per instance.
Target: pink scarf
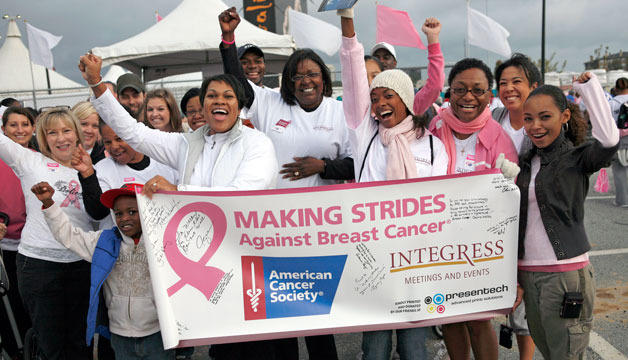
(400, 162)
(451, 123)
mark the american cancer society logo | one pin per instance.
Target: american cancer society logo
(277, 287)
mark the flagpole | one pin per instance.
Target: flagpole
(32, 77)
(466, 40)
(543, 45)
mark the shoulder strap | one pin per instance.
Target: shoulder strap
(367, 154)
(431, 150)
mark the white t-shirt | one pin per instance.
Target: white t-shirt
(112, 175)
(517, 136)
(465, 153)
(321, 133)
(32, 167)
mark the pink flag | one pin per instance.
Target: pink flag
(395, 27)
(157, 17)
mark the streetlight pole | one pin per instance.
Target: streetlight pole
(543, 44)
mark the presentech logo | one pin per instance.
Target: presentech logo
(437, 302)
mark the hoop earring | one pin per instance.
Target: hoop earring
(565, 127)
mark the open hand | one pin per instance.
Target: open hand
(44, 193)
(82, 162)
(157, 183)
(302, 167)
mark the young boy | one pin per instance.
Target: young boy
(119, 261)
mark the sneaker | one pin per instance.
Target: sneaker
(620, 205)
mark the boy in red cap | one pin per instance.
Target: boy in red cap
(119, 263)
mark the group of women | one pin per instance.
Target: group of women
(303, 137)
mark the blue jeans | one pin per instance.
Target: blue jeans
(377, 345)
(147, 347)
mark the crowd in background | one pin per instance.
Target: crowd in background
(68, 176)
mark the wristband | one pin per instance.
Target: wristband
(228, 42)
(346, 13)
(96, 84)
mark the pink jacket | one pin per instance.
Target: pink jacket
(356, 99)
(492, 140)
(12, 201)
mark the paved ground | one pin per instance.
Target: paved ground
(607, 228)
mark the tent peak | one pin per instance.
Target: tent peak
(13, 30)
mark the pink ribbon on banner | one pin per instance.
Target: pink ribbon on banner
(197, 274)
(72, 198)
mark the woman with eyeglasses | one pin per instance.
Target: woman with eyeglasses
(191, 107)
(305, 124)
(474, 141)
(53, 281)
(307, 128)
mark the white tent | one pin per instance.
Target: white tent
(15, 71)
(187, 41)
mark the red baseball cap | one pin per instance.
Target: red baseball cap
(110, 196)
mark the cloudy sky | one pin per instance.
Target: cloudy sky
(574, 28)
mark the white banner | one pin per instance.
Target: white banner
(236, 266)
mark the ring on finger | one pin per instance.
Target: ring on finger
(296, 173)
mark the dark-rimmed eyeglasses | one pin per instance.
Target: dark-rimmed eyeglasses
(475, 91)
(193, 113)
(314, 75)
(54, 108)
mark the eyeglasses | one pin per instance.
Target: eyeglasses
(309, 76)
(54, 108)
(475, 91)
(192, 113)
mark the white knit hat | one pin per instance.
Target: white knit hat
(398, 81)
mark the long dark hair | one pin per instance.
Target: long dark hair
(577, 125)
(290, 69)
(532, 73)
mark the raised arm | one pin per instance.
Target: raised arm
(81, 242)
(435, 68)
(161, 146)
(17, 157)
(229, 20)
(356, 100)
(604, 128)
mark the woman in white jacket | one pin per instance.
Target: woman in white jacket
(221, 155)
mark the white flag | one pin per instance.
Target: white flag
(487, 33)
(327, 37)
(39, 45)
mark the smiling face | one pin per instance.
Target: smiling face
(388, 107)
(194, 113)
(514, 88)
(18, 129)
(127, 216)
(158, 114)
(132, 99)
(119, 150)
(308, 88)
(469, 106)
(543, 120)
(62, 140)
(372, 70)
(220, 107)
(254, 67)
(386, 58)
(89, 126)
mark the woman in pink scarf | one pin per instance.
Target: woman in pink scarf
(474, 142)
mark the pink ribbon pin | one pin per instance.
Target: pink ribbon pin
(197, 274)
(72, 198)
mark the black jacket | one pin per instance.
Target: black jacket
(98, 152)
(561, 187)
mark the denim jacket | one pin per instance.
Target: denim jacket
(561, 187)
